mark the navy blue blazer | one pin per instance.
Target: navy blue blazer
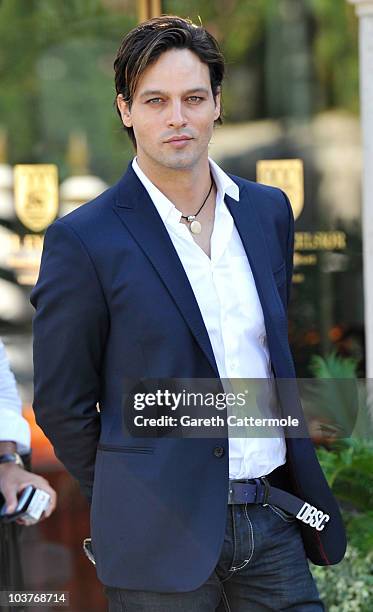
(113, 301)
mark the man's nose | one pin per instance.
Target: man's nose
(176, 118)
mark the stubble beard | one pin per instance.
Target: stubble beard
(178, 160)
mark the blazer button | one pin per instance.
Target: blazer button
(219, 451)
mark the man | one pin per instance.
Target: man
(178, 271)
(14, 451)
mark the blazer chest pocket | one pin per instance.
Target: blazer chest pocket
(116, 448)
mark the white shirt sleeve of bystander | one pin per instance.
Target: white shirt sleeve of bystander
(13, 426)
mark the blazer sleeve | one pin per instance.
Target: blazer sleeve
(70, 327)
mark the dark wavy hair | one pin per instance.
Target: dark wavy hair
(144, 44)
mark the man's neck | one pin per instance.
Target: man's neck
(185, 188)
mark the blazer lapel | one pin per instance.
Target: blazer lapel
(248, 226)
(138, 213)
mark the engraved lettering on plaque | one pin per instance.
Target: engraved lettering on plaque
(287, 174)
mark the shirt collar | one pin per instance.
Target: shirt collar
(223, 182)
(167, 209)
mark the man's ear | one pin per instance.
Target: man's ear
(217, 105)
(124, 110)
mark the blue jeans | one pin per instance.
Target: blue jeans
(262, 566)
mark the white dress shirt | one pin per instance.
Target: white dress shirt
(226, 294)
(13, 427)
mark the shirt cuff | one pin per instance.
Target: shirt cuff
(15, 428)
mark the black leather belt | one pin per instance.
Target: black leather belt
(259, 491)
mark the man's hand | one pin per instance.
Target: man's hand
(323, 432)
(13, 479)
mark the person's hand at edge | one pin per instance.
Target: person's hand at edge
(13, 479)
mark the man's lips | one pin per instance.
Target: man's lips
(178, 138)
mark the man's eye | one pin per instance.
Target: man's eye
(154, 101)
(195, 99)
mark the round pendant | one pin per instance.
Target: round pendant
(195, 227)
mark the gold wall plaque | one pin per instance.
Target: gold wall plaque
(287, 174)
(36, 194)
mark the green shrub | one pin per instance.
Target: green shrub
(347, 465)
(348, 586)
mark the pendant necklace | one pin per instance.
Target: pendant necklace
(195, 226)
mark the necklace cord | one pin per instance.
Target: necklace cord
(204, 202)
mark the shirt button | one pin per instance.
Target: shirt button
(219, 451)
(262, 340)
